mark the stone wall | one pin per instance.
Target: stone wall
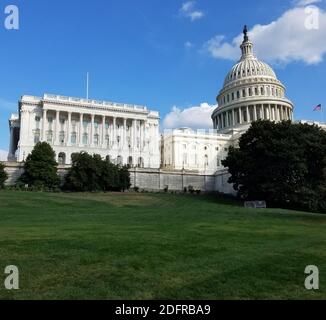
(153, 179)
(176, 181)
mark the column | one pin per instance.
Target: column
(103, 132)
(240, 115)
(11, 145)
(114, 138)
(80, 129)
(69, 129)
(279, 113)
(91, 140)
(255, 112)
(57, 124)
(124, 138)
(248, 115)
(44, 124)
(134, 134)
(270, 112)
(233, 117)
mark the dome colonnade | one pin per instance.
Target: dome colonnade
(251, 92)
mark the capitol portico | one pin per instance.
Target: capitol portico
(251, 92)
(125, 134)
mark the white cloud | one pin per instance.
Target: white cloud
(282, 41)
(3, 155)
(197, 117)
(188, 10)
(188, 45)
(303, 3)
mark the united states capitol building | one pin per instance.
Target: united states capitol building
(130, 134)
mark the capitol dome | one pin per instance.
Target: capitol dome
(251, 91)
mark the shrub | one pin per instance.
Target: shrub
(91, 173)
(3, 176)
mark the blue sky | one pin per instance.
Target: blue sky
(169, 55)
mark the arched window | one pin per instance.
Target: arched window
(140, 162)
(130, 161)
(62, 158)
(119, 160)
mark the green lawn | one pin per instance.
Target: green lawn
(156, 246)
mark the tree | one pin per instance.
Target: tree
(91, 173)
(124, 175)
(3, 175)
(40, 168)
(282, 163)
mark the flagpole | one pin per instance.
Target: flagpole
(87, 85)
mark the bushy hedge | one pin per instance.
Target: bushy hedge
(3, 175)
(91, 173)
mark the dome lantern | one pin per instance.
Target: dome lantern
(246, 46)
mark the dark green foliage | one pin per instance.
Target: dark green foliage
(3, 175)
(40, 169)
(91, 173)
(282, 163)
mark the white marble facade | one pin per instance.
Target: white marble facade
(125, 134)
(195, 150)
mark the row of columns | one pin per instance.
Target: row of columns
(271, 112)
(102, 134)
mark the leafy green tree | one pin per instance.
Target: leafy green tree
(283, 163)
(3, 175)
(40, 168)
(91, 173)
(124, 175)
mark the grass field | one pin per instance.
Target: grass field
(156, 246)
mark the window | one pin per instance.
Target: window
(62, 137)
(232, 95)
(85, 138)
(250, 92)
(96, 139)
(73, 138)
(36, 136)
(218, 162)
(107, 140)
(256, 91)
(37, 121)
(119, 160)
(262, 91)
(49, 136)
(185, 159)
(244, 93)
(62, 158)
(238, 95)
